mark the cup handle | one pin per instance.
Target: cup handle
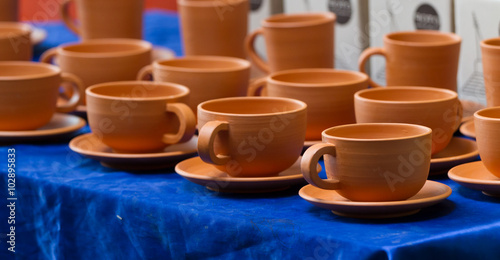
(310, 161)
(249, 45)
(146, 73)
(76, 93)
(257, 84)
(66, 19)
(48, 55)
(206, 138)
(363, 58)
(187, 124)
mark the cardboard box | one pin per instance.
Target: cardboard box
(351, 36)
(475, 20)
(405, 15)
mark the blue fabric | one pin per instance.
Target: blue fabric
(71, 207)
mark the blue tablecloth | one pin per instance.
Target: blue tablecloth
(71, 207)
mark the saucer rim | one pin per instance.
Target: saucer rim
(186, 174)
(378, 204)
(467, 133)
(458, 157)
(460, 179)
(48, 132)
(75, 148)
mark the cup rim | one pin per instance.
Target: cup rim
(207, 3)
(165, 64)
(425, 131)
(303, 106)
(487, 43)
(454, 38)
(322, 17)
(119, 84)
(24, 27)
(358, 95)
(362, 77)
(144, 46)
(478, 113)
(51, 70)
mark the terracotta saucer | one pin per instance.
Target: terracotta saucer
(467, 128)
(90, 146)
(37, 35)
(475, 176)
(469, 108)
(199, 172)
(59, 125)
(458, 151)
(432, 193)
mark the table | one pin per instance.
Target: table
(71, 207)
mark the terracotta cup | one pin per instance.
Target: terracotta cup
(214, 27)
(139, 116)
(371, 162)
(29, 92)
(295, 41)
(101, 60)
(251, 136)
(9, 10)
(328, 93)
(15, 42)
(487, 126)
(105, 18)
(438, 109)
(490, 50)
(418, 58)
(208, 77)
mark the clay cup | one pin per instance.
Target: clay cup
(438, 109)
(418, 58)
(29, 93)
(371, 162)
(328, 93)
(251, 136)
(295, 41)
(139, 116)
(208, 77)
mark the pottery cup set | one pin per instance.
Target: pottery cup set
(379, 143)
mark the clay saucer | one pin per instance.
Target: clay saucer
(458, 151)
(432, 193)
(467, 128)
(89, 145)
(475, 176)
(59, 125)
(199, 172)
(37, 35)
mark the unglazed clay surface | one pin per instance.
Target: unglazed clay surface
(438, 109)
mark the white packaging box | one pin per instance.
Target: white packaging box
(405, 15)
(351, 27)
(475, 20)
